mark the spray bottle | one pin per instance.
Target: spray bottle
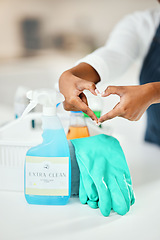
(47, 172)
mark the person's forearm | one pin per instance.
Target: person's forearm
(129, 40)
(86, 72)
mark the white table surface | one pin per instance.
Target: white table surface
(21, 221)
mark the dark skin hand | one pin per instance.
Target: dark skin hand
(73, 82)
(134, 100)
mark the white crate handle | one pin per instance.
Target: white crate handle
(12, 124)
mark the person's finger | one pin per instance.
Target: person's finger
(83, 98)
(87, 85)
(84, 108)
(104, 198)
(112, 90)
(69, 107)
(118, 201)
(82, 193)
(115, 112)
(76, 104)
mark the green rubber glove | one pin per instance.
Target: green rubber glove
(105, 180)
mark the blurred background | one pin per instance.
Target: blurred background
(41, 38)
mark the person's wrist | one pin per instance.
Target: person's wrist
(64, 81)
(86, 72)
(65, 75)
(154, 92)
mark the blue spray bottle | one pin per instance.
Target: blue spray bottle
(47, 172)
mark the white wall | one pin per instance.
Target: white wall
(79, 16)
(82, 16)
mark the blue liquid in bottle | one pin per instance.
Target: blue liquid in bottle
(54, 145)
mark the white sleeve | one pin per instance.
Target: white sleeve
(129, 40)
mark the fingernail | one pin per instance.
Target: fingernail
(102, 94)
(97, 123)
(97, 92)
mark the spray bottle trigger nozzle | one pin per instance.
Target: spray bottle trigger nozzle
(29, 108)
(29, 94)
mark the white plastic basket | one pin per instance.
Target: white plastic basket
(15, 139)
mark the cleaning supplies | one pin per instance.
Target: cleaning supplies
(20, 101)
(105, 180)
(47, 178)
(77, 127)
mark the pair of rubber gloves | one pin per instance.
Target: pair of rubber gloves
(105, 180)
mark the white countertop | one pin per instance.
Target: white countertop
(18, 220)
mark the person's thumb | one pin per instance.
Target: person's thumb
(112, 90)
(115, 112)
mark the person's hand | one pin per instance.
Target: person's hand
(73, 82)
(134, 100)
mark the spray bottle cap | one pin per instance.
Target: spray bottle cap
(47, 98)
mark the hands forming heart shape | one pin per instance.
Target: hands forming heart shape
(134, 100)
